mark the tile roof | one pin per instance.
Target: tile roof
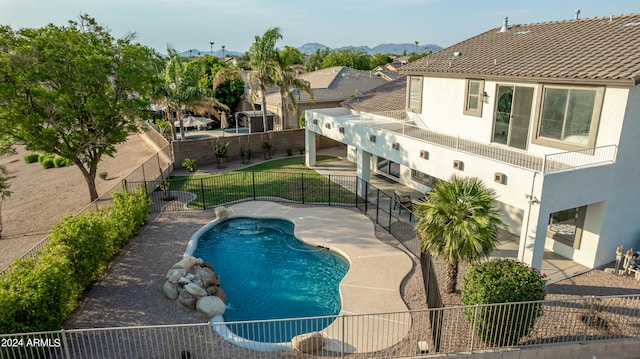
(334, 84)
(593, 50)
(388, 97)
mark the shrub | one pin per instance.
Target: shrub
(289, 152)
(103, 175)
(47, 163)
(220, 149)
(59, 162)
(41, 158)
(128, 212)
(503, 281)
(86, 236)
(31, 157)
(38, 294)
(190, 164)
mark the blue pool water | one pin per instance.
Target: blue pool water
(267, 273)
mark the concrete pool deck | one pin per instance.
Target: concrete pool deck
(372, 284)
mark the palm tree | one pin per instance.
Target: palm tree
(286, 77)
(181, 89)
(4, 190)
(458, 221)
(263, 57)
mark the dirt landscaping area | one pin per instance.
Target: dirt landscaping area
(41, 197)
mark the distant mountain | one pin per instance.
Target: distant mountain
(311, 47)
(394, 49)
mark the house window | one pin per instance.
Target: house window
(414, 99)
(569, 117)
(388, 167)
(474, 96)
(423, 178)
(566, 226)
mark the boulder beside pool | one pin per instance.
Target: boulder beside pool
(221, 213)
(210, 306)
(191, 281)
(307, 343)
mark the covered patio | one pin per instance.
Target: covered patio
(554, 266)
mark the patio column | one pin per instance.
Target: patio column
(310, 146)
(363, 168)
(533, 236)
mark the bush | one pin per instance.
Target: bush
(89, 245)
(38, 294)
(190, 164)
(59, 162)
(503, 281)
(42, 158)
(103, 175)
(31, 157)
(47, 163)
(289, 152)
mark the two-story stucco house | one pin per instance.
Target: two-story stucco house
(547, 114)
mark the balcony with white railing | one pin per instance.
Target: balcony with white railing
(397, 122)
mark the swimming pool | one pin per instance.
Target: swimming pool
(267, 273)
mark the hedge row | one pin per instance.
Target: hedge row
(38, 294)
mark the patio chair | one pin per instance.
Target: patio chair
(401, 201)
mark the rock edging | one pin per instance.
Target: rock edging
(195, 284)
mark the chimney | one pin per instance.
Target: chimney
(504, 28)
(577, 14)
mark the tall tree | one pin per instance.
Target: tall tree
(379, 60)
(291, 56)
(263, 58)
(458, 221)
(4, 190)
(183, 88)
(354, 58)
(287, 78)
(314, 61)
(73, 90)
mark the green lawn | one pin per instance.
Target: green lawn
(286, 178)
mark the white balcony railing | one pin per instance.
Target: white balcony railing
(388, 121)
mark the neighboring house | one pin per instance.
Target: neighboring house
(546, 114)
(330, 86)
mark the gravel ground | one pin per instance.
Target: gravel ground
(130, 294)
(42, 197)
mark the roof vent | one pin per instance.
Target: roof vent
(577, 12)
(505, 27)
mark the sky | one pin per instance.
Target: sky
(194, 24)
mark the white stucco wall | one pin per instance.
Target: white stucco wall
(621, 222)
(611, 191)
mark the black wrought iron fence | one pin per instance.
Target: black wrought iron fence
(206, 192)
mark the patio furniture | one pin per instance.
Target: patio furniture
(401, 201)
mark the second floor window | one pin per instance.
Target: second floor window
(569, 116)
(474, 95)
(414, 100)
